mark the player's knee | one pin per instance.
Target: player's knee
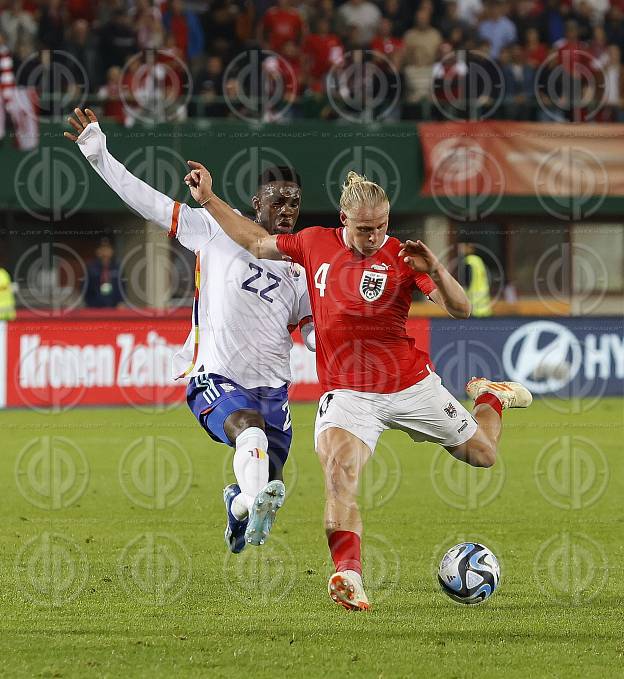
(341, 474)
(482, 455)
(240, 420)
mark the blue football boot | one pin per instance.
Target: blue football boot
(235, 528)
(262, 512)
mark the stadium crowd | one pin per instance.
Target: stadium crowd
(535, 59)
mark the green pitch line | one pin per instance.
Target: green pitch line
(113, 561)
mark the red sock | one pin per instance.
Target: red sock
(492, 401)
(345, 550)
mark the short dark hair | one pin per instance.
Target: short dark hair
(279, 173)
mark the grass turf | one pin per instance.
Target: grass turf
(113, 562)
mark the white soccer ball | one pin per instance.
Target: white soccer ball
(469, 573)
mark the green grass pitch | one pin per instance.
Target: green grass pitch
(113, 563)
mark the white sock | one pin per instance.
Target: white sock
(251, 468)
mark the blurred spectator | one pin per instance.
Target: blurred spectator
(583, 17)
(52, 22)
(118, 40)
(104, 285)
(110, 94)
(186, 30)
(497, 28)
(81, 9)
(307, 10)
(26, 63)
(552, 22)
(518, 78)
(536, 51)
(221, 26)
(450, 24)
(524, 18)
(447, 75)
(549, 91)
(572, 52)
(399, 15)
(596, 9)
(614, 85)
(325, 9)
(470, 11)
(483, 84)
(421, 45)
(17, 24)
(281, 24)
(362, 15)
(385, 43)
(322, 49)
(422, 41)
(81, 46)
(614, 26)
(208, 88)
(598, 47)
(7, 298)
(291, 69)
(147, 20)
(473, 276)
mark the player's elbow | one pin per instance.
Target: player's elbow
(254, 246)
(465, 310)
(461, 311)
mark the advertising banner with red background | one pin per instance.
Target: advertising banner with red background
(116, 358)
(523, 159)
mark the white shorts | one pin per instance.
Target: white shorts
(426, 411)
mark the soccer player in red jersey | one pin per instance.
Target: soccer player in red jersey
(373, 376)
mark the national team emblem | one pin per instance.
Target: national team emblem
(372, 285)
(450, 410)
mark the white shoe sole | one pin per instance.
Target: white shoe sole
(343, 591)
(263, 511)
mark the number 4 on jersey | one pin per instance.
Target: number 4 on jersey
(320, 277)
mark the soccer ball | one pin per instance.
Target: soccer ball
(469, 573)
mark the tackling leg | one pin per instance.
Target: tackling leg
(490, 399)
(342, 456)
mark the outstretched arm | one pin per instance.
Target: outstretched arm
(147, 201)
(243, 231)
(449, 293)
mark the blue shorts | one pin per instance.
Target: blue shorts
(213, 398)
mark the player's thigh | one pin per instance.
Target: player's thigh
(353, 412)
(478, 450)
(427, 411)
(213, 400)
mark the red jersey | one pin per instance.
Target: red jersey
(360, 307)
(324, 51)
(282, 25)
(387, 46)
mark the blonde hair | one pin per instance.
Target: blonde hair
(358, 191)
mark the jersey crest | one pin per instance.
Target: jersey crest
(372, 285)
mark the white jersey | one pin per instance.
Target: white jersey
(244, 307)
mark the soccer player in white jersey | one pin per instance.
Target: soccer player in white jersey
(373, 375)
(237, 353)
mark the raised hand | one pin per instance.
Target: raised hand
(199, 182)
(419, 257)
(82, 119)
